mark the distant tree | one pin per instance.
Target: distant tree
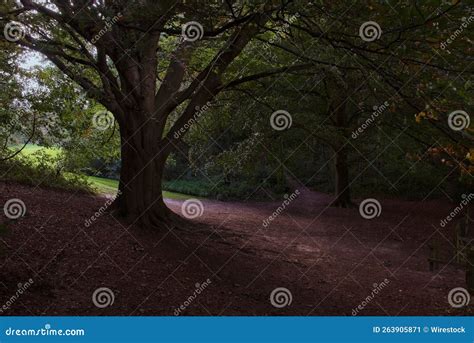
(379, 78)
(18, 122)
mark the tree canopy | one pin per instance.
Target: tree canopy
(273, 75)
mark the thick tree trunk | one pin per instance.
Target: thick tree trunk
(140, 197)
(342, 184)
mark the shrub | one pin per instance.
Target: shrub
(44, 169)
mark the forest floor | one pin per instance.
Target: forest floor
(330, 259)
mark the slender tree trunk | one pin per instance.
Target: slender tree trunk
(342, 184)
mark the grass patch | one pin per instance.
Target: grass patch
(197, 188)
(102, 185)
(38, 163)
(110, 186)
(219, 190)
(31, 149)
(176, 196)
(41, 172)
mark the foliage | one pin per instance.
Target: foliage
(307, 59)
(42, 169)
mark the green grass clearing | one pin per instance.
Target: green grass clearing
(30, 149)
(109, 186)
(102, 185)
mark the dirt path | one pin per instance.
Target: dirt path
(329, 259)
